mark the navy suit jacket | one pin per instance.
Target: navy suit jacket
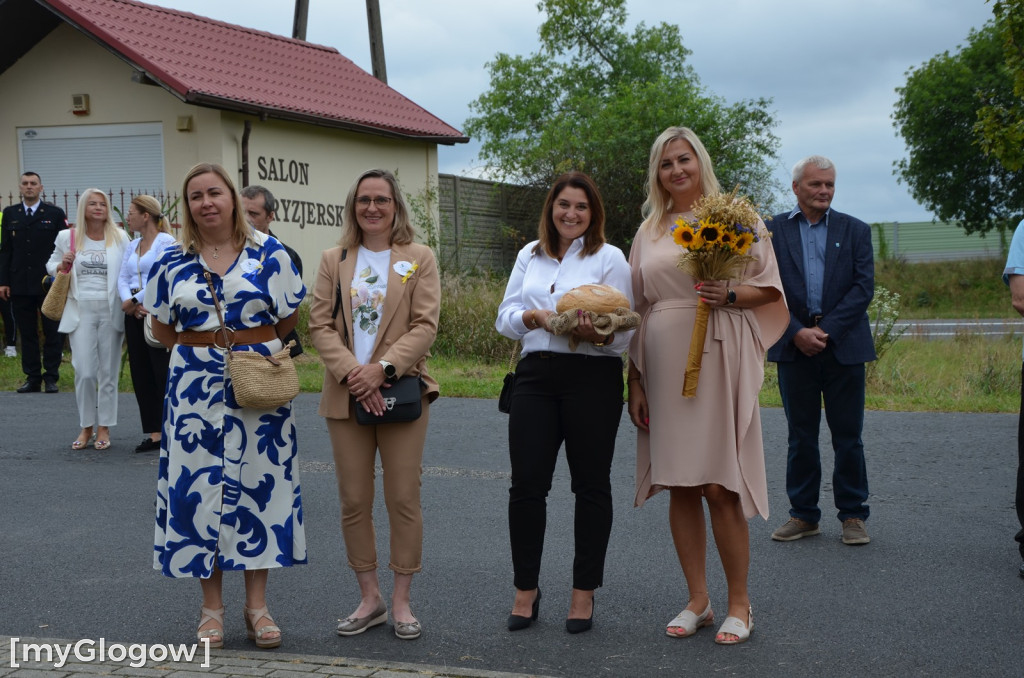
(847, 289)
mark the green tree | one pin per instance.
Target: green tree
(595, 97)
(947, 170)
(1001, 120)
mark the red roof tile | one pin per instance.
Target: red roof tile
(221, 65)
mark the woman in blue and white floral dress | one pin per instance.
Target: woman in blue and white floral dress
(228, 487)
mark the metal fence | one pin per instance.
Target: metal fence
(119, 199)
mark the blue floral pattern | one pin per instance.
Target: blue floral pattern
(228, 479)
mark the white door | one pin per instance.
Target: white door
(120, 159)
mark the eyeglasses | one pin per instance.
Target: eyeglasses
(364, 201)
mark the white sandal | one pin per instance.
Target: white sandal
(689, 622)
(215, 635)
(736, 627)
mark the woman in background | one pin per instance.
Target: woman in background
(707, 447)
(562, 395)
(148, 364)
(92, 316)
(374, 317)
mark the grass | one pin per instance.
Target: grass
(972, 288)
(967, 374)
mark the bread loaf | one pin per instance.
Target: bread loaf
(591, 297)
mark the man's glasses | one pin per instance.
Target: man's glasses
(364, 201)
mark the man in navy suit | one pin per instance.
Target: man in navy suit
(827, 269)
(29, 229)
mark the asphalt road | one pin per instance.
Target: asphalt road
(935, 593)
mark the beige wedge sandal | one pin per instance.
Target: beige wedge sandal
(215, 636)
(259, 635)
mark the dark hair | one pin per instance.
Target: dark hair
(269, 202)
(32, 174)
(547, 233)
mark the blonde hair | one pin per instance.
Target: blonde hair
(149, 205)
(111, 232)
(659, 202)
(191, 238)
(402, 232)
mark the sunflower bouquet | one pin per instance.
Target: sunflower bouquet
(715, 247)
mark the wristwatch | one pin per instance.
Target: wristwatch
(730, 298)
(390, 373)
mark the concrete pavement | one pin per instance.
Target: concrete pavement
(934, 594)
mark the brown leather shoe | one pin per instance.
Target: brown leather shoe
(795, 529)
(854, 532)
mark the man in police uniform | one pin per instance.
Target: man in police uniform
(29, 231)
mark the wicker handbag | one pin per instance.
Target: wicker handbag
(57, 295)
(261, 382)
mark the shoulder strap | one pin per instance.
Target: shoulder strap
(337, 292)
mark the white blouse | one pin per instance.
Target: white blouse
(539, 281)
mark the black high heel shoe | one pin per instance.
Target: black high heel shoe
(518, 622)
(581, 625)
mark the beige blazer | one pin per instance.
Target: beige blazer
(407, 328)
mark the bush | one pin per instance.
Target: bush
(469, 306)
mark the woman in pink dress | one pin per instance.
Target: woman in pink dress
(707, 447)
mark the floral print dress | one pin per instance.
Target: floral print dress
(228, 480)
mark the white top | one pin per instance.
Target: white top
(539, 281)
(369, 285)
(91, 270)
(135, 272)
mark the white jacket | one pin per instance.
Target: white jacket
(115, 253)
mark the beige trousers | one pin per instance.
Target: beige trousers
(401, 457)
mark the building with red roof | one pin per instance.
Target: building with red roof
(127, 96)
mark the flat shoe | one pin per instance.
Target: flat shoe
(689, 623)
(353, 626)
(408, 630)
(737, 628)
(147, 445)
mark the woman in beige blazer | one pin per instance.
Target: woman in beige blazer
(92, 316)
(374, 316)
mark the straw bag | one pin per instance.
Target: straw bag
(57, 296)
(261, 382)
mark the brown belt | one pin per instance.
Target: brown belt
(249, 335)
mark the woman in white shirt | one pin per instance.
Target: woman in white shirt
(92, 317)
(148, 364)
(562, 395)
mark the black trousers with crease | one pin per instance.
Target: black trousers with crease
(575, 399)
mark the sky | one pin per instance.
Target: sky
(831, 67)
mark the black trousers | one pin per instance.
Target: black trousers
(1020, 467)
(27, 318)
(575, 399)
(10, 334)
(149, 374)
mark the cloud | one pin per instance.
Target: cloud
(831, 67)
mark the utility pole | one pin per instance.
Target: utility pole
(380, 71)
(301, 19)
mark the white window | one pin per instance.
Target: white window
(114, 158)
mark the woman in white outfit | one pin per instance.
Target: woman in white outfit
(93, 319)
(148, 364)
